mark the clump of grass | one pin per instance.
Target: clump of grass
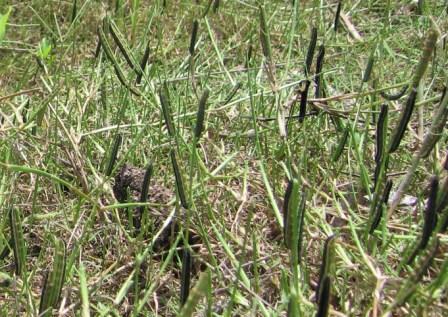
(233, 182)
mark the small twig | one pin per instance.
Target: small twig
(23, 92)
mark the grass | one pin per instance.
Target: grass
(218, 101)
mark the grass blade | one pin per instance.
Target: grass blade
(179, 180)
(428, 48)
(201, 115)
(113, 154)
(319, 67)
(327, 265)
(403, 122)
(293, 206)
(119, 40)
(106, 47)
(18, 242)
(337, 16)
(430, 218)
(381, 132)
(264, 35)
(286, 200)
(143, 197)
(194, 34)
(369, 67)
(381, 205)
(429, 45)
(337, 153)
(166, 109)
(232, 93)
(310, 52)
(185, 277)
(381, 157)
(83, 291)
(143, 63)
(74, 10)
(51, 291)
(304, 100)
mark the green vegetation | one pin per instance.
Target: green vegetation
(223, 158)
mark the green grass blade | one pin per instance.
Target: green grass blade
(337, 16)
(113, 154)
(84, 291)
(327, 265)
(18, 241)
(201, 115)
(179, 180)
(54, 282)
(403, 121)
(319, 68)
(125, 51)
(106, 47)
(166, 109)
(381, 205)
(304, 100)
